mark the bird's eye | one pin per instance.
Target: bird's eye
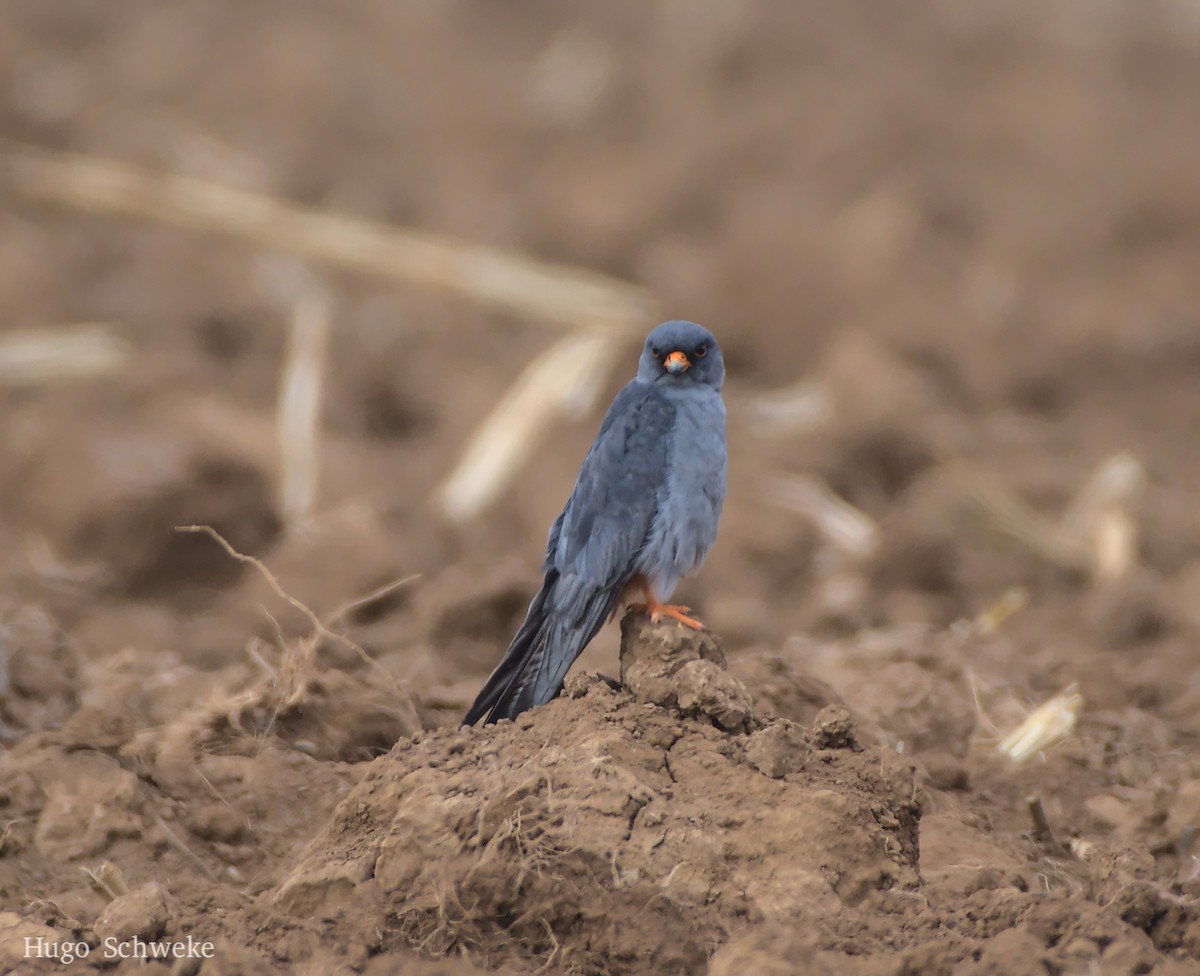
(700, 351)
(654, 351)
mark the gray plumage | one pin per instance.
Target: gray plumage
(644, 510)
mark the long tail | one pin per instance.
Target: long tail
(536, 663)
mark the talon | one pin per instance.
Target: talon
(675, 613)
(658, 610)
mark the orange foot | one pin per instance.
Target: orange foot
(659, 610)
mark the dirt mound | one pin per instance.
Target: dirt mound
(667, 823)
(616, 829)
(650, 826)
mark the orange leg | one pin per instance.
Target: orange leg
(659, 610)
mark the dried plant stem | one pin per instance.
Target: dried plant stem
(299, 408)
(1100, 516)
(1042, 834)
(1018, 521)
(368, 598)
(1115, 482)
(851, 530)
(182, 848)
(1011, 601)
(556, 294)
(1050, 723)
(565, 378)
(1096, 535)
(319, 628)
(32, 356)
(107, 880)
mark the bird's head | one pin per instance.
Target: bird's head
(683, 354)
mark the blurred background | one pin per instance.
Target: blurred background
(950, 249)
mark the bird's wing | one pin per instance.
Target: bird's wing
(616, 498)
(590, 556)
(596, 541)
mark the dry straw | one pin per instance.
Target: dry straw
(558, 294)
(1100, 518)
(566, 378)
(1047, 725)
(107, 880)
(1096, 535)
(319, 628)
(33, 356)
(300, 406)
(797, 408)
(850, 530)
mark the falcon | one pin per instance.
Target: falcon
(642, 516)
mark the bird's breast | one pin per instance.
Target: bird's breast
(690, 502)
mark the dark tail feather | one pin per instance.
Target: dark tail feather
(497, 697)
(532, 670)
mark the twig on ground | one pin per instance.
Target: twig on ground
(557, 294)
(1050, 723)
(1096, 535)
(367, 599)
(1114, 482)
(8, 824)
(1100, 519)
(1018, 521)
(994, 615)
(566, 378)
(973, 684)
(318, 627)
(293, 684)
(107, 880)
(1043, 836)
(849, 529)
(182, 848)
(299, 408)
(32, 356)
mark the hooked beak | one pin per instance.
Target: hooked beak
(677, 363)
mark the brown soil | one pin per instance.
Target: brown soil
(977, 226)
